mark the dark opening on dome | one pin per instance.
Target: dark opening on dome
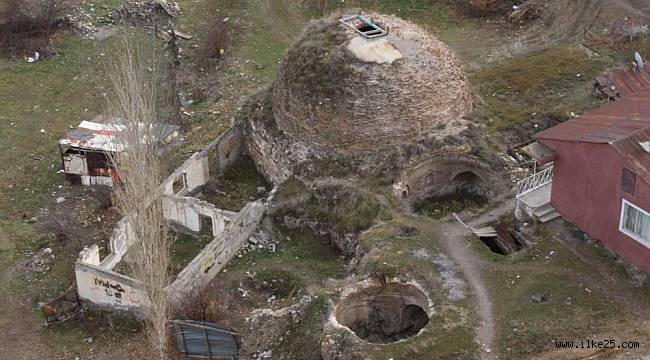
(365, 27)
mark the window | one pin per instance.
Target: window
(628, 181)
(635, 223)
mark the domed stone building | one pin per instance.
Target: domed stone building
(352, 94)
(383, 104)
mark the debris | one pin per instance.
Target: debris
(182, 35)
(143, 11)
(567, 301)
(538, 298)
(40, 262)
(267, 328)
(488, 231)
(60, 200)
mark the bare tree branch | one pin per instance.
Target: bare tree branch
(137, 160)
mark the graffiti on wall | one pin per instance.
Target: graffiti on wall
(115, 291)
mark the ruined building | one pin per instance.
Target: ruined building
(392, 104)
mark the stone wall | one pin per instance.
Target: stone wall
(438, 175)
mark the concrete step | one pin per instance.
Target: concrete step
(543, 210)
(549, 216)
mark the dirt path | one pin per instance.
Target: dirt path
(453, 236)
(458, 248)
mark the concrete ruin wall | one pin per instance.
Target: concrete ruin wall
(216, 255)
(186, 211)
(103, 287)
(228, 148)
(100, 285)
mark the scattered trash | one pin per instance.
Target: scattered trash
(36, 57)
(567, 301)
(538, 298)
(60, 200)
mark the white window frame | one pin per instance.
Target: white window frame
(637, 238)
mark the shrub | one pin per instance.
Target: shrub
(103, 196)
(28, 25)
(62, 224)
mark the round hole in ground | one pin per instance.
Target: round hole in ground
(384, 313)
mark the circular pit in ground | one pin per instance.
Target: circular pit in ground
(384, 314)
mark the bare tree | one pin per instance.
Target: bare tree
(137, 160)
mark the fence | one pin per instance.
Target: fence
(535, 181)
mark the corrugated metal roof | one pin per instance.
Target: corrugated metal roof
(609, 123)
(623, 124)
(100, 134)
(629, 81)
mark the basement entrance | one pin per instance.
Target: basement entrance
(384, 314)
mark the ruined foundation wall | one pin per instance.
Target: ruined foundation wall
(100, 285)
(216, 255)
(103, 287)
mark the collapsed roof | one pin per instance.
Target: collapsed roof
(101, 134)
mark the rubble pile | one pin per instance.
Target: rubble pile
(40, 262)
(143, 12)
(80, 21)
(266, 328)
(260, 241)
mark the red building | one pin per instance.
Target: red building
(598, 175)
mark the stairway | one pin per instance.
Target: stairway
(536, 203)
(546, 213)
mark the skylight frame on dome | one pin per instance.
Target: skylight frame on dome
(357, 21)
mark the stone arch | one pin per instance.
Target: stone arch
(437, 176)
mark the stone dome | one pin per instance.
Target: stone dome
(351, 94)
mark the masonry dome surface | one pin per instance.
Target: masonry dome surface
(343, 91)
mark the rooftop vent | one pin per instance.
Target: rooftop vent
(363, 26)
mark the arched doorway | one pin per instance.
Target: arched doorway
(468, 182)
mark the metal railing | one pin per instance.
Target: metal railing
(535, 181)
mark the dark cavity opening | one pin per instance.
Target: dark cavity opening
(364, 28)
(465, 191)
(504, 243)
(491, 243)
(384, 314)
